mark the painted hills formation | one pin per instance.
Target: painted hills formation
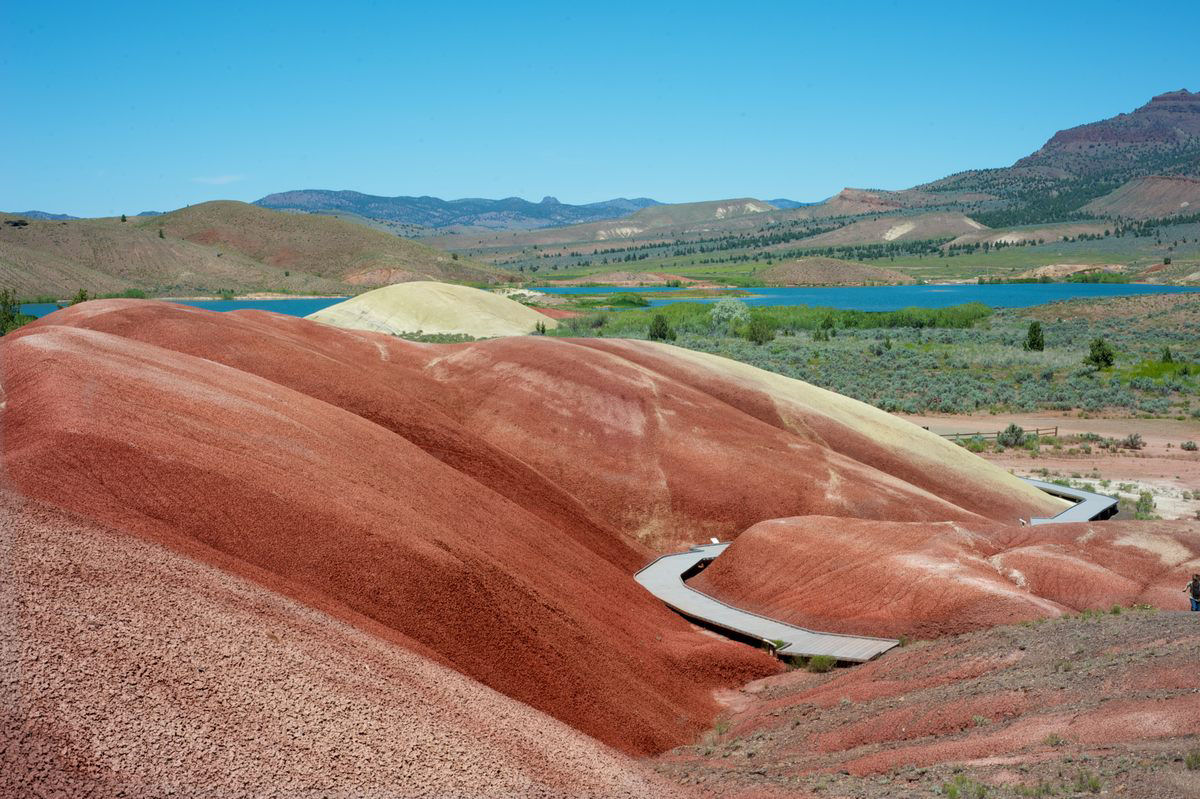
(427, 306)
(293, 532)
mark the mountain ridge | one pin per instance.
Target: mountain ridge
(509, 213)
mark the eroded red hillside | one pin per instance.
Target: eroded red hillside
(340, 512)
(129, 669)
(926, 580)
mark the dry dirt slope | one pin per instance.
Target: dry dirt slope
(214, 247)
(129, 669)
(1098, 705)
(316, 244)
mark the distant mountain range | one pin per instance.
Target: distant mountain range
(41, 215)
(780, 202)
(511, 213)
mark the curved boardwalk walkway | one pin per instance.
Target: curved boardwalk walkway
(664, 578)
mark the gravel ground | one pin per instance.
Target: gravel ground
(1098, 705)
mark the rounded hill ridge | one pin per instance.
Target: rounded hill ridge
(425, 306)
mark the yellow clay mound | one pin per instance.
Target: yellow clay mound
(431, 307)
(808, 407)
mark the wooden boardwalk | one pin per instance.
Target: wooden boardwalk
(664, 578)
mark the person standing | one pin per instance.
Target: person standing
(1192, 589)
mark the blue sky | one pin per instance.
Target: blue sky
(113, 108)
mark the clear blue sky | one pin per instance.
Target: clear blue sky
(123, 107)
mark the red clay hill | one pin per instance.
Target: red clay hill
(928, 580)
(133, 670)
(478, 507)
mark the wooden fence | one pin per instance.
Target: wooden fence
(1035, 431)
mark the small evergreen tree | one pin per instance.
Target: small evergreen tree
(9, 311)
(1033, 339)
(660, 329)
(1167, 357)
(122, 217)
(1101, 355)
(160, 234)
(80, 296)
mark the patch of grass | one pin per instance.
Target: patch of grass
(820, 664)
(1054, 739)
(1042, 789)
(1192, 760)
(962, 787)
(1087, 781)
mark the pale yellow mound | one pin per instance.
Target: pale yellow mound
(430, 307)
(804, 406)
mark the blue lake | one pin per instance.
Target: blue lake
(862, 298)
(291, 307)
(891, 298)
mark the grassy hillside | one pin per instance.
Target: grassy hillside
(319, 245)
(212, 248)
(1148, 197)
(57, 258)
(829, 272)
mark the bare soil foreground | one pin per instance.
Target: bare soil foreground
(131, 670)
(1078, 706)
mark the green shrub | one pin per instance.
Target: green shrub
(1188, 446)
(1100, 355)
(1132, 441)
(1144, 509)
(10, 312)
(729, 313)
(1192, 760)
(820, 664)
(1011, 436)
(760, 330)
(660, 329)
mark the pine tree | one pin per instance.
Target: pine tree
(660, 329)
(1033, 339)
(1101, 355)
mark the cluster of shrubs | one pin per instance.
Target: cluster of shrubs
(956, 360)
